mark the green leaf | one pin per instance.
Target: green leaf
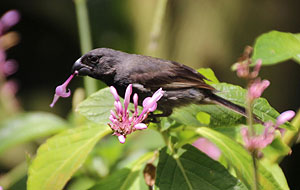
(27, 127)
(274, 47)
(277, 173)
(221, 116)
(192, 169)
(127, 178)
(97, 106)
(61, 156)
(276, 150)
(209, 74)
(240, 160)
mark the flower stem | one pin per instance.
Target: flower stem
(85, 40)
(156, 27)
(255, 171)
(252, 133)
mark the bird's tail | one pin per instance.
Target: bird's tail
(234, 107)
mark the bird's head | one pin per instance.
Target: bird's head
(97, 63)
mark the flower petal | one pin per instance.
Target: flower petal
(127, 97)
(284, 117)
(55, 98)
(121, 139)
(10, 18)
(135, 102)
(141, 126)
(114, 93)
(256, 88)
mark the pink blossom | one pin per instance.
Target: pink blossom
(9, 19)
(257, 88)
(257, 142)
(208, 148)
(61, 90)
(8, 67)
(122, 123)
(284, 117)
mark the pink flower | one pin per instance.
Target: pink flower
(208, 148)
(284, 117)
(61, 90)
(257, 142)
(8, 67)
(121, 123)
(257, 88)
(9, 19)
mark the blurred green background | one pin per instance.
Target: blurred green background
(198, 33)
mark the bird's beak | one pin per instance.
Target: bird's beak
(81, 68)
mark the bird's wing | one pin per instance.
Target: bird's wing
(154, 73)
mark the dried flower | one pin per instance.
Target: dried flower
(121, 123)
(61, 90)
(243, 69)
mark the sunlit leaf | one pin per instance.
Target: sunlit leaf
(28, 126)
(240, 160)
(60, 156)
(277, 173)
(191, 169)
(209, 74)
(274, 47)
(97, 106)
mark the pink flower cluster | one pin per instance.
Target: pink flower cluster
(122, 123)
(256, 142)
(256, 87)
(7, 66)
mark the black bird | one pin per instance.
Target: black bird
(182, 84)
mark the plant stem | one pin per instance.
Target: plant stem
(156, 27)
(252, 134)
(85, 40)
(255, 178)
(14, 175)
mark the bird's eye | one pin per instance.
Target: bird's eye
(94, 59)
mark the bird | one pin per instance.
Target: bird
(181, 84)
